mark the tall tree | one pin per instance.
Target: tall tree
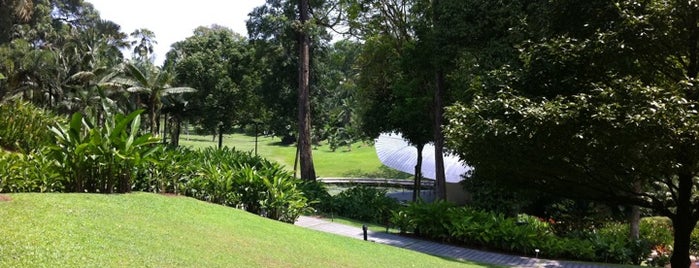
(305, 149)
(396, 80)
(278, 31)
(218, 62)
(603, 100)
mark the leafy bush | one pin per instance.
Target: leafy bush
(24, 127)
(318, 197)
(168, 171)
(101, 158)
(612, 244)
(657, 231)
(365, 204)
(430, 220)
(33, 172)
(227, 177)
(520, 234)
(524, 234)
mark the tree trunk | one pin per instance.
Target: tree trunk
(165, 129)
(153, 120)
(305, 149)
(220, 137)
(635, 222)
(417, 185)
(635, 216)
(175, 139)
(683, 222)
(440, 178)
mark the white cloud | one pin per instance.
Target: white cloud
(173, 21)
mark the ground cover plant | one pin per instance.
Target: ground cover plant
(141, 229)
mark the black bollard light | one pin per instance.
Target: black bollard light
(364, 229)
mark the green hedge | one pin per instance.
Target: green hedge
(24, 127)
(365, 204)
(524, 234)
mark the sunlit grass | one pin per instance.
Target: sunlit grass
(357, 161)
(149, 230)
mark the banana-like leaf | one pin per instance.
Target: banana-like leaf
(138, 89)
(136, 124)
(122, 122)
(75, 127)
(177, 90)
(123, 81)
(81, 76)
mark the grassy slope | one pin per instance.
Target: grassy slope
(361, 161)
(153, 230)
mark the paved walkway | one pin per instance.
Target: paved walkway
(436, 249)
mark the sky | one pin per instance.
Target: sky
(173, 21)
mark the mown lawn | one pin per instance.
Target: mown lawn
(149, 230)
(359, 161)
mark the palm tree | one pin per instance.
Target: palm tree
(143, 77)
(12, 12)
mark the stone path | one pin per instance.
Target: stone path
(437, 249)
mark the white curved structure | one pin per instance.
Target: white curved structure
(395, 152)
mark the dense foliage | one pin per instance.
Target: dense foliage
(24, 127)
(524, 234)
(112, 155)
(227, 177)
(599, 102)
(365, 204)
(105, 159)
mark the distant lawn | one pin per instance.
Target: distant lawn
(149, 230)
(359, 162)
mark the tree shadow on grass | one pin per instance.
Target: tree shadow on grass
(384, 172)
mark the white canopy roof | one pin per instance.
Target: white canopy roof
(395, 152)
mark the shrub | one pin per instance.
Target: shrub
(24, 127)
(227, 177)
(101, 158)
(168, 170)
(365, 204)
(612, 244)
(431, 220)
(520, 234)
(317, 194)
(32, 172)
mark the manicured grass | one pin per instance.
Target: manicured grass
(359, 162)
(149, 230)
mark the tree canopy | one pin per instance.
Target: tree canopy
(602, 105)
